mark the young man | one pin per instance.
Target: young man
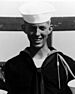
(39, 69)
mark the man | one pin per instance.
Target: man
(39, 69)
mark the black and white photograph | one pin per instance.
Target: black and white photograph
(37, 47)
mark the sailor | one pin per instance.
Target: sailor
(39, 69)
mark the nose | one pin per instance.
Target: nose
(37, 31)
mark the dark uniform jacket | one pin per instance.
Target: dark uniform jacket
(23, 77)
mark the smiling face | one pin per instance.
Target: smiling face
(38, 33)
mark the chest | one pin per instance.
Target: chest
(38, 62)
(49, 71)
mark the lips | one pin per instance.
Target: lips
(38, 40)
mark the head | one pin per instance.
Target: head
(38, 33)
(37, 21)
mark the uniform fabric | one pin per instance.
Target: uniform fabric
(23, 77)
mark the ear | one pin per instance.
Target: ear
(50, 29)
(23, 27)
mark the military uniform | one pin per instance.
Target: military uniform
(23, 77)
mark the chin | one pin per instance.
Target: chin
(38, 46)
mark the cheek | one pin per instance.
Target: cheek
(45, 33)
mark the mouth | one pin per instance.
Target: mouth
(38, 40)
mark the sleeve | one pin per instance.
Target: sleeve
(11, 78)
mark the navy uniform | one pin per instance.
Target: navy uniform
(23, 77)
(21, 74)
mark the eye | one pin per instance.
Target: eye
(42, 28)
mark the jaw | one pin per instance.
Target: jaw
(38, 42)
(39, 45)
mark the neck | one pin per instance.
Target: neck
(41, 52)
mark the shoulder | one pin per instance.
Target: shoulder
(68, 61)
(16, 61)
(60, 53)
(67, 58)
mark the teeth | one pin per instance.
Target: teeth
(37, 39)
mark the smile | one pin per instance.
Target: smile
(38, 40)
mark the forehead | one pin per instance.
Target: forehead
(38, 24)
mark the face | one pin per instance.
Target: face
(38, 33)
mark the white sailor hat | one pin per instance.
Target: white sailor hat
(37, 11)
